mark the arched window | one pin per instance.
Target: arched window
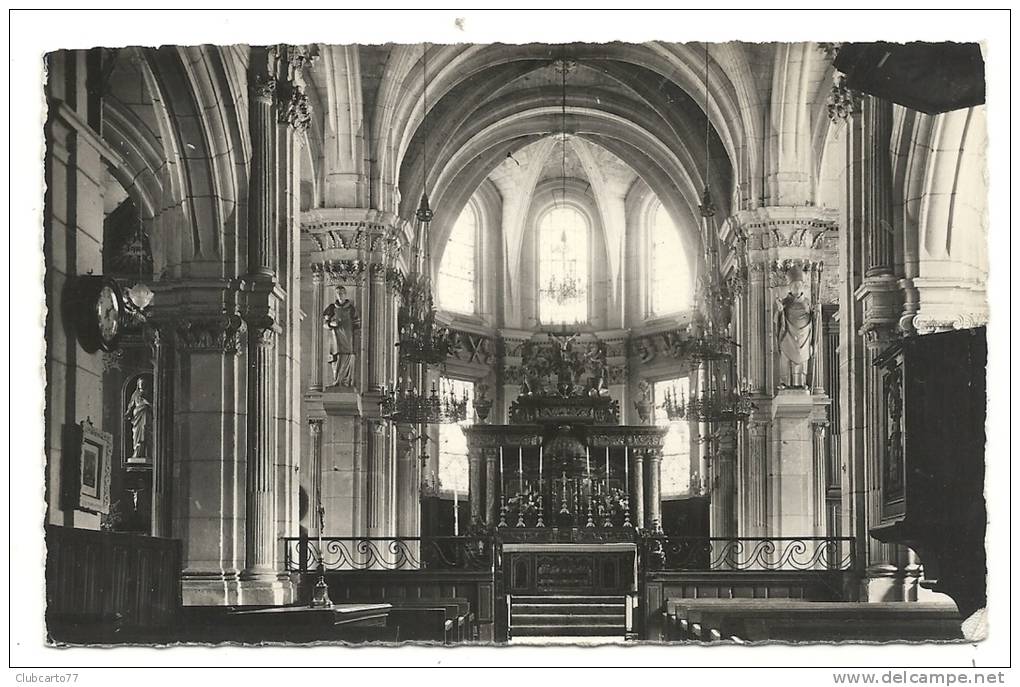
(675, 477)
(455, 290)
(453, 453)
(670, 283)
(563, 267)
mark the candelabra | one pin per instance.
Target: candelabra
(407, 405)
(711, 405)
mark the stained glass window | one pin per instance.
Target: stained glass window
(676, 447)
(453, 453)
(563, 267)
(456, 288)
(670, 285)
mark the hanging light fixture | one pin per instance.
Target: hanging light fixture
(138, 296)
(711, 402)
(564, 285)
(421, 338)
(408, 405)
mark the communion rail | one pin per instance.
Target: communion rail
(747, 554)
(337, 554)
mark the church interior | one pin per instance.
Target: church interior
(493, 343)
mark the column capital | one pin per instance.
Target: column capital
(315, 425)
(211, 333)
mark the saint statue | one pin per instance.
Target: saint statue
(139, 415)
(794, 332)
(340, 318)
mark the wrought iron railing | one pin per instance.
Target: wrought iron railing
(747, 553)
(465, 553)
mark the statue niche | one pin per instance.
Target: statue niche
(138, 420)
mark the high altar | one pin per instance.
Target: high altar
(565, 486)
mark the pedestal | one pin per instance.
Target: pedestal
(793, 486)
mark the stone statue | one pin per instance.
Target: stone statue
(139, 415)
(341, 319)
(794, 332)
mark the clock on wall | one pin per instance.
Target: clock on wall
(101, 313)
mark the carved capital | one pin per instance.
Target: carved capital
(220, 333)
(315, 426)
(879, 334)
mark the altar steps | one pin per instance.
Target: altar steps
(568, 616)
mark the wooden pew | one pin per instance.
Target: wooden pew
(756, 620)
(447, 621)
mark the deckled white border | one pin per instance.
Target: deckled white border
(32, 34)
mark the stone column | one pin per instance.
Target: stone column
(491, 477)
(316, 355)
(638, 481)
(818, 431)
(475, 470)
(654, 488)
(209, 463)
(315, 484)
(757, 472)
(377, 496)
(756, 338)
(162, 431)
(260, 505)
(408, 494)
(723, 510)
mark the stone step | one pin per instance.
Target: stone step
(520, 619)
(573, 609)
(568, 631)
(568, 599)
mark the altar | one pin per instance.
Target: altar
(566, 488)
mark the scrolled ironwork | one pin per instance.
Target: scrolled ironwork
(748, 554)
(383, 553)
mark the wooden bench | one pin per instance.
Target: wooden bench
(757, 620)
(447, 621)
(354, 622)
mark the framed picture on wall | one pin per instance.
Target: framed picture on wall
(94, 469)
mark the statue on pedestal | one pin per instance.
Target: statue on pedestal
(139, 414)
(341, 319)
(794, 332)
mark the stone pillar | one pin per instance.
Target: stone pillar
(315, 484)
(818, 430)
(757, 474)
(654, 511)
(377, 496)
(408, 494)
(209, 463)
(723, 521)
(475, 470)
(756, 317)
(637, 456)
(491, 478)
(260, 505)
(162, 431)
(316, 356)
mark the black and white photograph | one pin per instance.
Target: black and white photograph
(674, 344)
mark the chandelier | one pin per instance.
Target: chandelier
(420, 338)
(563, 289)
(405, 404)
(710, 405)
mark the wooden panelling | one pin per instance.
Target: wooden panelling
(111, 579)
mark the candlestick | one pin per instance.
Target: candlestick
(626, 469)
(607, 467)
(456, 515)
(540, 468)
(520, 470)
(501, 490)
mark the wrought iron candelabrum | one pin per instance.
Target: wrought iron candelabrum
(407, 405)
